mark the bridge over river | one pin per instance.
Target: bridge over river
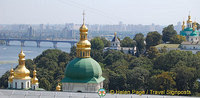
(38, 41)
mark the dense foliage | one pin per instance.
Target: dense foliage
(153, 39)
(168, 32)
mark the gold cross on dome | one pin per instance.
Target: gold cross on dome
(83, 17)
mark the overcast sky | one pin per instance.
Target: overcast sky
(162, 12)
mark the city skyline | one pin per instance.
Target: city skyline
(98, 12)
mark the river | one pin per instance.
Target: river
(9, 54)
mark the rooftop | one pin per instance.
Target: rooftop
(168, 45)
(190, 43)
(5, 93)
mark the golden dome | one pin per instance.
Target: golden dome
(10, 78)
(34, 79)
(83, 46)
(21, 72)
(83, 29)
(58, 88)
(189, 19)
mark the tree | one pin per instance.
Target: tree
(64, 57)
(97, 55)
(139, 38)
(141, 62)
(123, 64)
(185, 77)
(152, 52)
(163, 81)
(137, 78)
(177, 39)
(106, 42)
(111, 56)
(44, 83)
(153, 39)
(118, 81)
(73, 52)
(127, 42)
(97, 43)
(168, 32)
(170, 59)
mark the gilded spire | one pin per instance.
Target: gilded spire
(115, 33)
(83, 46)
(10, 78)
(21, 72)
(183, 26)
(58, 88)
(83, 17)
(34, 79)
(189, 19)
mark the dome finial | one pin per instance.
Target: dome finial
(83, 17)
(189, 19)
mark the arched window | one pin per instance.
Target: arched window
(28, 85)
(22, 85)
(80, 53)
(16, 85)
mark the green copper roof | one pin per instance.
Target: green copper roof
(183, 33)
(188, 29)
(83, 70)
(194, 33)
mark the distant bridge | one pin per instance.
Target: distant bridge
(38, 41)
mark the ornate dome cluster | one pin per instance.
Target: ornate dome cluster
(20, 77)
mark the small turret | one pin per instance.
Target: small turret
(10, 78)
(58, 88)
(183, 26)
(194, 26)
(34, 80)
